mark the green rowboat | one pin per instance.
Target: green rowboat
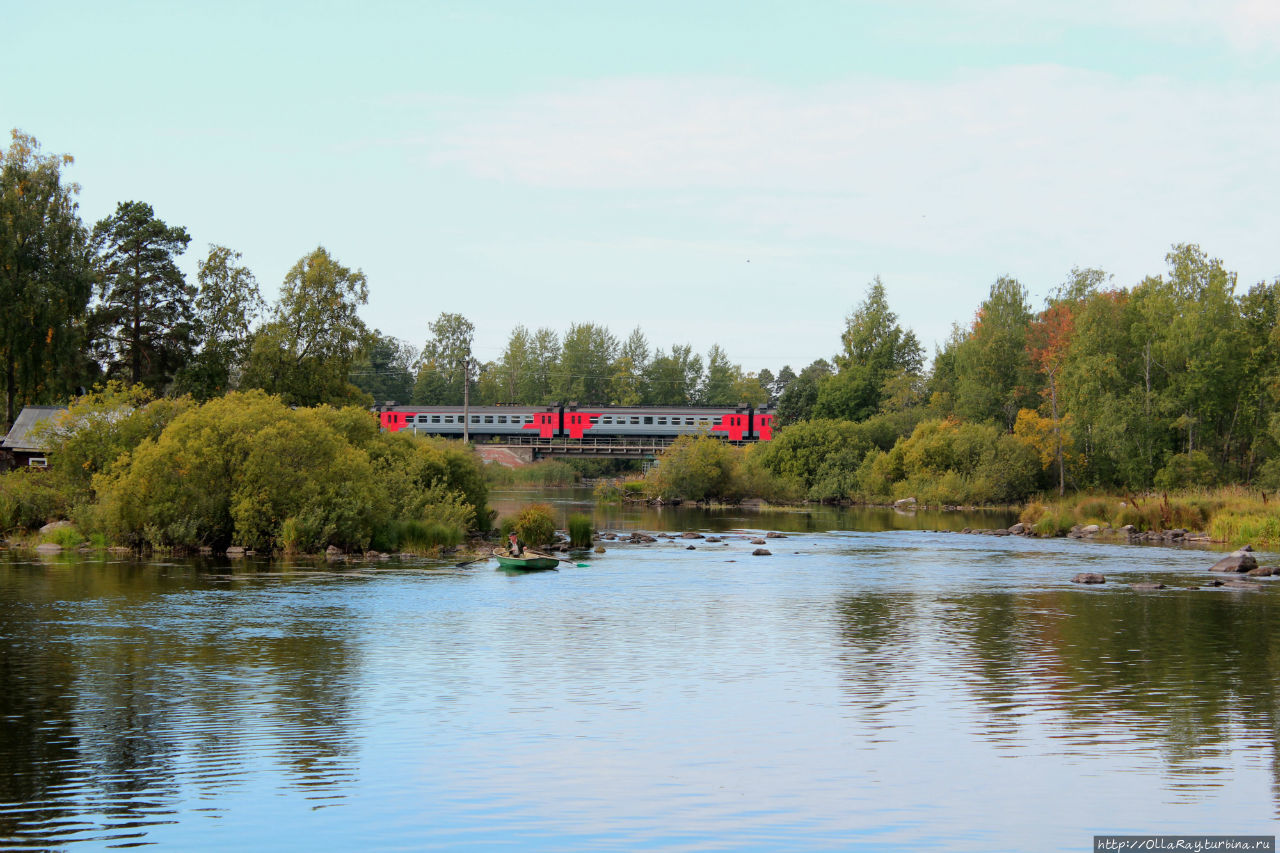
(531, 560)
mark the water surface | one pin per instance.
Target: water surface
(886, 689)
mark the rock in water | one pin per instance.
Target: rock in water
(1236, 561)
(761, 552)
(1089, 577)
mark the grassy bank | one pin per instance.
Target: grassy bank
(1234, 515)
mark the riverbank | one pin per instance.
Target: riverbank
(1233, 516)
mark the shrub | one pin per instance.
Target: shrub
(1187, 470)
(607, 492)
(581, 530)
(29, 499)
(535, 524)
(234, 469)
(693, 468)
(67, 537)
(99, 429)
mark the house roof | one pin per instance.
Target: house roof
(19, 438)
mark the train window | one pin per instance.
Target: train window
(475, 419)
(448, 419)
(703, 422)
(648, 419)
(502, 419)
(606, 420)
(662, 421)
(435, 419)
(595, 419)
(689, 422)
(635, 419)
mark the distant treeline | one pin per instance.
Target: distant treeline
(1173, 381)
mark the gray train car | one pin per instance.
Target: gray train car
(742, 423)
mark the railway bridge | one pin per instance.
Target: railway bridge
(520, 450)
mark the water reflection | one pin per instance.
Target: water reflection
(855, 685)
(804, 519)
(128, 687)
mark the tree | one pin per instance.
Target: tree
(445, 361)
(226, 306)
(144, 312)
(384, 369)
(767, 381)
(722, 376)
(993, 370)
(1048, 338)
(797, 401)
(515, 370)
(673, 379)
(627, 386)
(304, 354)
(45, 274)
(586, 359)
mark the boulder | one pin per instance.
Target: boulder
(1145, 586)
(599, 549)
(235, 551)
(1236, 561)
(691, 535)
(1089, 577)
(56, 525)
(772, 535)
(1214, 582)
(1261, 572)
(691, 547)
(1089, 530)
(1018, 529)
(1245, 548)
(761, 552)
(757, 541)
(905, 502)
(333, 552)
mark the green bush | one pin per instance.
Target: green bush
(693, 468)
(947, 462)
(1187, 470)
(99, 429)
(581, 530)
(246, 469)
(29, 499)
(67, 537)
(535, 525)
(607, 492)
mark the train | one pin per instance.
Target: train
(735, 424)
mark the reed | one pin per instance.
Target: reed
(580, 531)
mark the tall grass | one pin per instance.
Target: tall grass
(1233, 514)
(418, 537)
(580, 531)
(549, 472)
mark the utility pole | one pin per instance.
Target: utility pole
(466, 400)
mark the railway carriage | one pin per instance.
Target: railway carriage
(743, 423)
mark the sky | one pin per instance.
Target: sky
(729, 173)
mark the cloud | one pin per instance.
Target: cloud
(1002, 157)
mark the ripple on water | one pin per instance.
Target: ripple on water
(904, 690)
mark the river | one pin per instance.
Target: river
(871, 685)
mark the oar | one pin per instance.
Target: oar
(563, 560)
(469, 562)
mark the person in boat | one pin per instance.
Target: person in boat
(517, 545)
